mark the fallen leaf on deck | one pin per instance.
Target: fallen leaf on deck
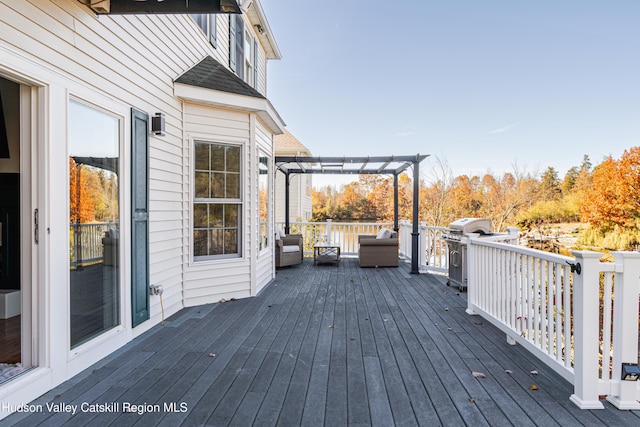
(222, 300)
(446, 309)
(472, 400)
(534, 372)
(212, 355)
(478, 323)
(351, 280)
(533, 387)
(478, 374)
(508, 371)
(449, 329)
(331, 326)
(386, 320)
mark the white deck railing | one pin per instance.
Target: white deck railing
(344, 234)
(433, 250)
(547, 303)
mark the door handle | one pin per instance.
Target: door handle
(35, 226)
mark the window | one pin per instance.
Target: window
(207, 23)
(217, 206)
(236, 45)
(263, 188)
(94, 222)
(248, 59)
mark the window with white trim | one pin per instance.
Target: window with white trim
(217, 202)
(207, 23)
(248, 59)
(236, 45)
(264, 177)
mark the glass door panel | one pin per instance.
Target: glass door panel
(94, 222)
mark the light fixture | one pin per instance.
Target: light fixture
(259, 28)
(630, 372)
(158, 124)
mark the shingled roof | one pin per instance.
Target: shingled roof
(210, 74)
(288, 143)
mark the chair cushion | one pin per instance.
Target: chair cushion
(290, 248)
(384, 233)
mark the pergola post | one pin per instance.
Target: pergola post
(415, 233)
(395, 202)
(286, 203)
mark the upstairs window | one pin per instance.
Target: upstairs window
(236, 45)
(249, 76)
(207, 23)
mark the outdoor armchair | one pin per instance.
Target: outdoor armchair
(289, 250)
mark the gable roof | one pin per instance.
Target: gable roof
(286, 142)
(210, 74)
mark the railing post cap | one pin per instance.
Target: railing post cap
(587, 254)
(626, 254)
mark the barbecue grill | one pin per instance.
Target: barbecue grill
(455, 238)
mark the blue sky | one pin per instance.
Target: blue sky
(481, 84)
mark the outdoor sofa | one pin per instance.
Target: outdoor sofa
(379, 250)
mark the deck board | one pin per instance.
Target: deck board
(327, 345)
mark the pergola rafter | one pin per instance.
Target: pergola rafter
(370, 165)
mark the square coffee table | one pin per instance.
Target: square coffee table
(326, 252)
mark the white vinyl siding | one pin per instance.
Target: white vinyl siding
(119, 62)
(209, 281)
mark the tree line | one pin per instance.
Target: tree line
(605, 198)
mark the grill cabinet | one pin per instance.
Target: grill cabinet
(455, 238)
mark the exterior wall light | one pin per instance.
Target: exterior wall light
(158, 124)
(630, 372)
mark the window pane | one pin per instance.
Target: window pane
(230, 241)
(216, 216)
(94, 282)
(233, 159)
(200, 243)
(202, 156)
(217, 242)
(201, 20)
(202, 185)
(233, 186)
(263, 188)
(217, 157)
(217, 185)
(200, 216)
(231, 216)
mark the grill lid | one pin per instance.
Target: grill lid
(471, 225)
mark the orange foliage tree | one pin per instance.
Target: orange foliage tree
(81, 203)
(613, 199)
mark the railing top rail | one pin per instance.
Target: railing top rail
(547, 256)
(401, 222)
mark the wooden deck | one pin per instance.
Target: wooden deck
(326, 345)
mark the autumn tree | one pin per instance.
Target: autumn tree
(613, 199)
(81, 200)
